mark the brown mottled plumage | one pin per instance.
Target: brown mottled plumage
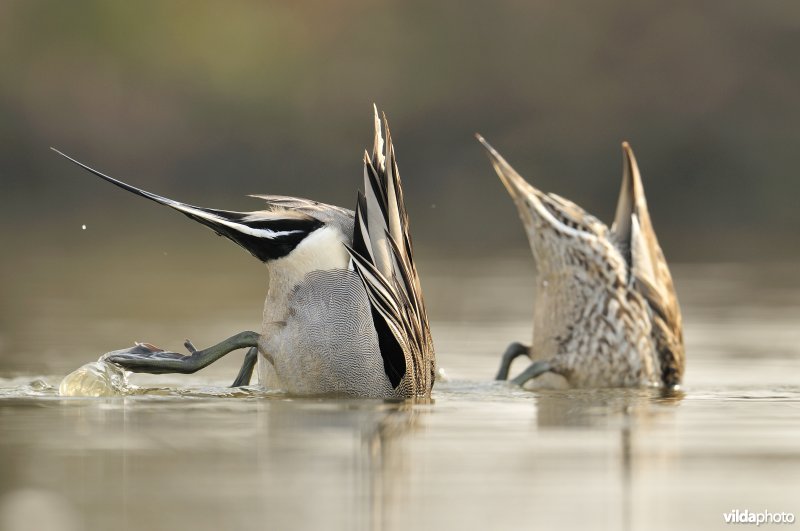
(606, 313)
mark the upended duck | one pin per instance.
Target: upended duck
(344, 312)
(606, 313)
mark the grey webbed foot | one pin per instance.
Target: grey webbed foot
(148, 358)
(246, 372)
(535, 369)
(513, 351)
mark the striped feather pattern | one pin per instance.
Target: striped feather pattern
(382, 255)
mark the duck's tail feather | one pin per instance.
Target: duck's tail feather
(265, 234)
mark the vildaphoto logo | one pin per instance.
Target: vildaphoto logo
(764, 517)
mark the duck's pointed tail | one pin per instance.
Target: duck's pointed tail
(266, 235)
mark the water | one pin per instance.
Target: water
(186, 452)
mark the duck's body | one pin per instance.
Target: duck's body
(318, 335)
(603, 337)
(343, 313)
(605, 313)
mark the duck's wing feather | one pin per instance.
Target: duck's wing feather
(633, 234)
(382, 255)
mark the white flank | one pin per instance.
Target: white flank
(322, 250)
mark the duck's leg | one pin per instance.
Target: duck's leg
(246, 372)
(156, 361)
(535, 369)
(513, 351)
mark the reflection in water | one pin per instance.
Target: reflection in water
(626, 461)
(482, 453)
(156, 461)
(186, 452)
(386, 468)
(624, 410)
(365, 443)
(602, 407)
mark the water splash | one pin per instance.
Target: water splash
(98, 378)
(36, 387)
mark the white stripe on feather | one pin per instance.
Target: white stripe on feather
(377, 146)
(377, 227)
(244, 229)
(393, 213)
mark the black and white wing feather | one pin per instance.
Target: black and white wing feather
(382, 255)
(266, 234)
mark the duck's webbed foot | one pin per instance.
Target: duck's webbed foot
(150, 359)
(534, 369)
(246, 372)
(513, 351)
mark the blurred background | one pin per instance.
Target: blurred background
(208, 102)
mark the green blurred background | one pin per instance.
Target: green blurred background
(206, 102)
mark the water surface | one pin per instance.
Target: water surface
(188, 453)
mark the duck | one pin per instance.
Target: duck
(606, 313)
(344, 312)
